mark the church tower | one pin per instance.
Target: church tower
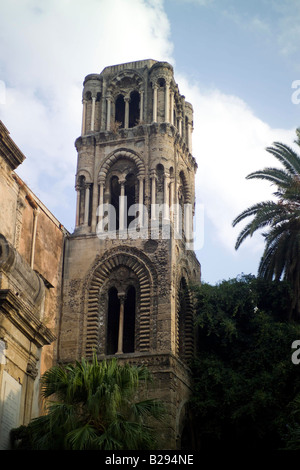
(130, 260)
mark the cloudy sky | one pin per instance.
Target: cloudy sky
(236, 61)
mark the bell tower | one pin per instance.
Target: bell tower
(130, 261)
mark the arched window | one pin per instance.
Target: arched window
(120, 331)
(115, 191)
(112, 321)
(134, 108)
(120, 110)
(129, 321)
(81, 199)
(130, 190)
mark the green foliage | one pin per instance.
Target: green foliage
(246, 386)
(281, 256)
(93, 407)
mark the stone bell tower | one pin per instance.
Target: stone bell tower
(130, 260)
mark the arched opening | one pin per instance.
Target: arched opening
(130, 189)
(112, 321)
(81, 181)
(129, 321)
(182, 200)
(120, 110)
(160, 183)
(115, 191)
(134, 108)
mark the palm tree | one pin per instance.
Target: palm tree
(281, 256)
(95, 408)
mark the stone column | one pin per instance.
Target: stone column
(153, 194)
(122, 205)
(93, 113)
(155, 102)
(166, 197)
(172, 108)
(87, 203)
(126, 121)
(108, 113)
(121, 296)
(100, 206)
(141, 106)
(83, 117)
(167, 102)
(172, 199)
(141, 200)
(180, 125)
(77, 205)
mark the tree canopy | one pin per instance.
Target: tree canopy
(246, 387)
(281, 220)
(92, 405)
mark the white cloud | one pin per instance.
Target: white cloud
(46, 50)
(229, 142)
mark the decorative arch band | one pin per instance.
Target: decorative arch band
(121, 153)
(147, 279)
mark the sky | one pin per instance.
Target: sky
(236, 61)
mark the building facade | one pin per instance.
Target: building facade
(31, 259)
(130, 260)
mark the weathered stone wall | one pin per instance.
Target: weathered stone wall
(31, 256)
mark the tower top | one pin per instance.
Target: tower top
(135, 93)
(139, 64)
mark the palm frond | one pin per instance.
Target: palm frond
(276, 176)
(281, 256)
(287, 156)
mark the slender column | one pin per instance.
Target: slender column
(178, 213)
(122, 206)
(180, 125)
(87, 203)
(172, 199)
(155, 103)
(167, 102)
(108, 113)
(141, 106)
(172, 108)
(166, 196)
(93, 113)
(126, 121)
(141, 200)
(83, 117)
(153, 195)
(100, 205)
(77, 206)
(121, 323)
